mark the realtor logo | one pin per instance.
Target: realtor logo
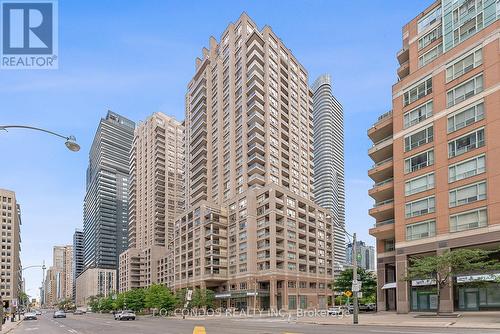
(28, 34)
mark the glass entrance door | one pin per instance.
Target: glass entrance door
(472, 300)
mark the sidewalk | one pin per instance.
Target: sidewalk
(9, 326)
(486, 320)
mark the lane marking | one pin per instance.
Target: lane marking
(199, 330)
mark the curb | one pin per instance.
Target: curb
(14, 327)
(427, 325)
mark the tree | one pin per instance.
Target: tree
(66, 304)
(180, 296)
(106, 304)
(23, 299)
(442, 268)
(158, 296)
(203, 298)
(368, 284)
(134, 299)
(93, 303)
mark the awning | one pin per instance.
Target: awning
(389, 286)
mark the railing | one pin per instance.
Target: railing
(385, 222)
(383, 117)
(381, 183)
(388, 138)
(382, 162)
(378, 204)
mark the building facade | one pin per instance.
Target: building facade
(329, 183)
(251, 231)
(105, 221)
(436, 161)
(78, 262)
(11, 277)
(95, 282)
(365, 257)
(156, 197)
(59, 279)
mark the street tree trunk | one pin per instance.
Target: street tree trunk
(438, 298)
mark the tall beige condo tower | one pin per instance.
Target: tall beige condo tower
(436, 155)
(252, 232)
(10, 213)
(156, 197)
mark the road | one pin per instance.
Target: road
(97, 323)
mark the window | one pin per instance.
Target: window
(419, 161)
(464, 91)
(464, 65)
(292, 302)
(419, 138)
(466, 143)
(418, 114)
(468, 194)
(419, 184)
(465, 117)
(429, 19)
(421, 230)
(430, 55)
(468, 168)
(468, 220)
(430, 37)
(418, 91)
(420, 207)
(467, 29)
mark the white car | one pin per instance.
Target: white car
(334, 310)
(30, 316)
(125, 315)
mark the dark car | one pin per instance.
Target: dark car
(59, 314)
(78, 312)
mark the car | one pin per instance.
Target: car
(38, 312)
(78, 312)
(334, 310)
(30, 316)
(125, 315)
(368, 307)
(59, 314)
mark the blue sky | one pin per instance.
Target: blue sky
(136, 57)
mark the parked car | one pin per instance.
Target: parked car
(59, 314)
(125, 315)
(334, 310)
(78, 312)
(30, 316)
(368, 307)
(38, 312)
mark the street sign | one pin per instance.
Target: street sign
(356, 286)
(189, 295)
(14, 302)
(348, 293)
(358, 257)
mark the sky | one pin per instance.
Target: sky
(137, 57)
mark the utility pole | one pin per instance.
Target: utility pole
(355, 283)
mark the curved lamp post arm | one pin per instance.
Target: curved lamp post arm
(70, 140)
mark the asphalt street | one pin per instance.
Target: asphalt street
(104, 323)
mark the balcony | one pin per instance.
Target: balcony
(256, 168)
(256, 138)
(256, 179)
(382, 149)
(383, 210)
(256, 148)
(382, 128)
(383, 230)
(404, 70)
(382, 190)
(256, 157)
(403, 55)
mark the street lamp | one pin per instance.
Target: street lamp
(21, 272)
(70, 142)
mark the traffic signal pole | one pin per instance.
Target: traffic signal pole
(354, 280)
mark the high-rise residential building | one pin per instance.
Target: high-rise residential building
(329, 184)
(105, 221)
(436, 157)
(11, 277)
(156, 197)
(95, 282)
(60, 278)
(365, 255)
(68, 272)
(50, 288)
(252, 232)
(78, 264)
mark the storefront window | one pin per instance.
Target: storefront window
(292, 302)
